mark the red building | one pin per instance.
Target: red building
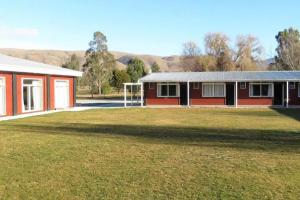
(268, 88)
(27, 86)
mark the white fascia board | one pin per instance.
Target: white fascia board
(40, 70)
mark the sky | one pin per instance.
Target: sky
(157, 27)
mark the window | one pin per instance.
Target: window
(243, 85)
(32, 95)
(167, 90)
(151, 85)
(196, 85)
(213, 90)
(261, 90)
(2, 97)
(292, 85)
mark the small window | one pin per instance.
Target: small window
(243, 85)
(213, 90)
(196, 85)
(151, 86)
(167, 90)
(292, 85)
(261, 90)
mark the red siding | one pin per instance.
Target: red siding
(197, 99)
(152, 99)
(52, 87)
(8, 87)
(245, 99)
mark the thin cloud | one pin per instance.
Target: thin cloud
(20, 32)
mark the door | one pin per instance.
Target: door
(278, 94)
(230, 94)
(62, 94)
(32, 95)
(2, 97)
(183, 94)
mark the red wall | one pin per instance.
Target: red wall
(8, 86)
(152, 99)
(197, 99)
(9, 90)
(244, 99)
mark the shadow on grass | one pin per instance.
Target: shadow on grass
(292, 113)
(255, 139)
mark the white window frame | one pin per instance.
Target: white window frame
(168, 84)
(292, 85)
(243, 85)
(213, 84)
(196, 85)
(251, 84)
(62, 80)
(151, 85)
(4, 96)
(42, 95)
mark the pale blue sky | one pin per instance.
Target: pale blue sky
(139, 26)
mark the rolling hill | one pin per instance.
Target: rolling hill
(58, 57)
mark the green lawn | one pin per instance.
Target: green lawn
(152, 154)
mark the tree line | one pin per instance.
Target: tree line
(101, 73)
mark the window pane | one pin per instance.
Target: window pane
(255, 90)
(164, 90)
(172, 90)
(264, 90)
(219, 90)
(298, 89)
(25, 98)
(208, 90)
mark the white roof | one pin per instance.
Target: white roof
(222, 76)
(12, 64)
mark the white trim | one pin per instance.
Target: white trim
(42, 95)
(168, 84)
(245, 85)
(264, 83)
(55, 83)
(213, 84)
(4, 96)
(197, 85)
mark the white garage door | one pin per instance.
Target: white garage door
(2, 96)
(62, 94)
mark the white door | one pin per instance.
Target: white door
(2, 97)
(62, 94)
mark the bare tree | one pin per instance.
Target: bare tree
(248, 53)
(190, 54)
(217, 46)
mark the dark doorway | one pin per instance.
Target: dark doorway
(183, 94)
(278, 94)
(229, 94)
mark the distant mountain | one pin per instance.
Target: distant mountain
(58, 57)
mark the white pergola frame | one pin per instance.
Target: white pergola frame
(131, 85)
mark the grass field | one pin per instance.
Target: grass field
(152, 154)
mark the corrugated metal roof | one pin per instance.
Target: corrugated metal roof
(222, 76)
(12, 64)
